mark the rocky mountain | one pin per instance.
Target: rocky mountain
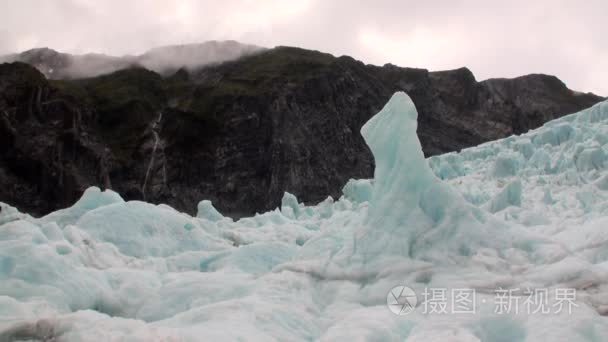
(242, 132)
(164, 60)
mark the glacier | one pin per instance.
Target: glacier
(525, 212)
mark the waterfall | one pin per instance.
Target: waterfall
(151, 164)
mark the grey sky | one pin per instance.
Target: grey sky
(492, 38)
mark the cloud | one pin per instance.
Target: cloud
(492, 38)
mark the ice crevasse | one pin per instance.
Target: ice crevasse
(525, 212)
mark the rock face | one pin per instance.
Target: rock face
(243, 132)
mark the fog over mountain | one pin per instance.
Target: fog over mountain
(164, 60)
(494, 39)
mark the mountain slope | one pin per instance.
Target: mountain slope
(242, 132)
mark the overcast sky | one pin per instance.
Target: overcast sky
(492, 38)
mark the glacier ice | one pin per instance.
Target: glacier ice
(510, 195)
(207, 211)
(358, 190)
(411, 213)
(527, 211)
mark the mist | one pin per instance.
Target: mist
(563, 38)
(164, 60)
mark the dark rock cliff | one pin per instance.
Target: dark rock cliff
(243, 132)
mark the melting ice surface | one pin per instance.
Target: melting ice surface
(526, 212)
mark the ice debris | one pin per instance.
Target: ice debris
(527, 211)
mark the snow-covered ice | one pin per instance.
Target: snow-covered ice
(523, 214)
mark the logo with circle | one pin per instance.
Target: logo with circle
(401, 300)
